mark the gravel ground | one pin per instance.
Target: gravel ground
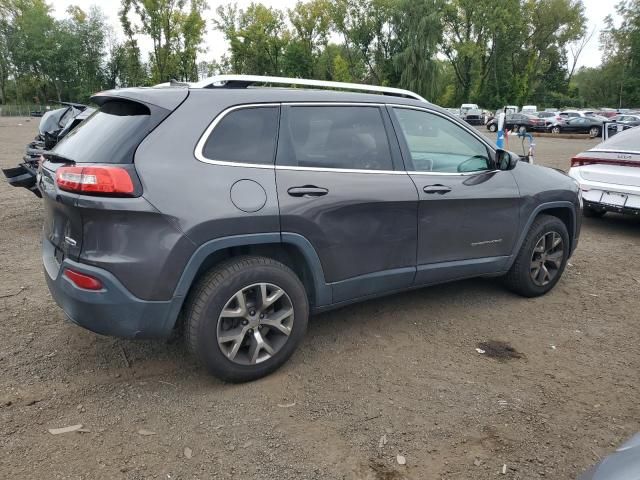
(398, 375)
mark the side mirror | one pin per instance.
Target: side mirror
(505, 160)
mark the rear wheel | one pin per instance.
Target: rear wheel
(591, 212)
(542, 258)
(594, 132)
(555, 129)
(246, 317)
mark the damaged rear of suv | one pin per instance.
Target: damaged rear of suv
(236, 212)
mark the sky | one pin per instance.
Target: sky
(596, 11)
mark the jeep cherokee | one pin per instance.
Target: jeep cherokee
(235, 212)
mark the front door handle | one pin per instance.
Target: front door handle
(440, 189)
(307, 191)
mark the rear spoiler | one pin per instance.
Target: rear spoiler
(166, 98)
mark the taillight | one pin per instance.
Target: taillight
(83, 280)
(104, 180)
(582, 161)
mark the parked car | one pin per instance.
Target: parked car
(628, 120)
(550, 118)
(607, 112)
(591, 125)
(530, 109)
(513, 121)
(241, 210)
(609, 175)
(472, 114)
(574, 113)
(623, 464)
(54, 126)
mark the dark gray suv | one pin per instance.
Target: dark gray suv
(236, 211)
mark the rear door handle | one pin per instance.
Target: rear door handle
(441, 189)
(307, 191)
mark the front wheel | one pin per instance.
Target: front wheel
(555, 130)
(542, 258)
(246, 317)
(492, 127)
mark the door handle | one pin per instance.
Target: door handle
(440, 189)
(307, 191)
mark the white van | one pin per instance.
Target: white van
(529, 109)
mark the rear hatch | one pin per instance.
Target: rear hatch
(104, 142)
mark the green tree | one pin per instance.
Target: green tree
(176, 33)
(419, 31)
(623, 44)
(311, 23)
(257, 38)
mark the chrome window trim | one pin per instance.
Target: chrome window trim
(205, 136)
(343, 170)
(453, 174)
(198, 153)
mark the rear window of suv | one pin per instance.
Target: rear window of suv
(109, 135)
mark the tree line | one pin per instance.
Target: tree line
(490, 52)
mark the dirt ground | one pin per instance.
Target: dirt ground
(402, 370)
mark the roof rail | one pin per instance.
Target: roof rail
(243, 81)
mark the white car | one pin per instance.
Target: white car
(609, 175)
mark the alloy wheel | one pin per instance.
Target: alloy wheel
(555, 130)
(594, 132)
(255, 323)
(547, 258)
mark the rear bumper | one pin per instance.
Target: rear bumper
(612, 208)
(113, 310)
(598, 195)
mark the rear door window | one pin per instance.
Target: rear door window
(344, 137)
(246, 135)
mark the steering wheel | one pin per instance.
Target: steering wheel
(461, 168)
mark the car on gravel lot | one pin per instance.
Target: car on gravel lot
(609, 175)
(234, 212)
(591, 125)
(514, 121)
(550, 118)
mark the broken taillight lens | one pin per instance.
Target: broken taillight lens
(102, 180)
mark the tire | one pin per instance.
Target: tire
(590, 212)
(220, 288)
(555, 130)
(492, 128)
(594, 132)
(520, 279)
